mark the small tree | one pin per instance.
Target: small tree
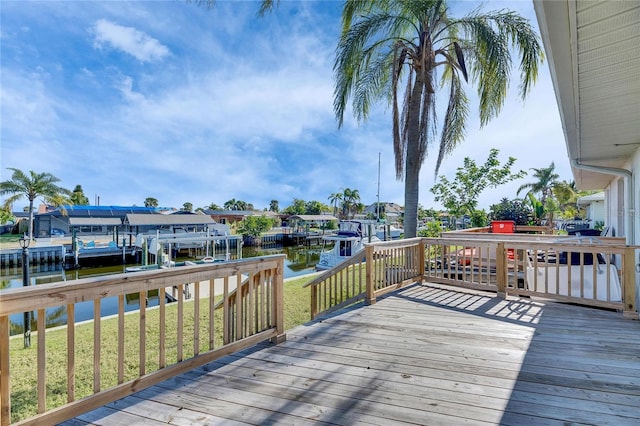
(78, 198)
(187, 207)
(432, 229)
(460, 197)
(274, 206)
(6, 215)
(313, 207)
(297, 207)
(479, 218)
(254, 226)
(514, 210)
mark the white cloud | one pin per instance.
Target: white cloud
(125, 85)
(129, 40)
(239, 108)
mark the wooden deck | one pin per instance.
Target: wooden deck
(422, 355)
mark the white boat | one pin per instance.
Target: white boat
(351, 238)
(388, 232)
(156, 249)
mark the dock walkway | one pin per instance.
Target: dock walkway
(425, 354)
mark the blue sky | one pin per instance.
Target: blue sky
(186, 104)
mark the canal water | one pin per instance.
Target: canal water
(299, 261)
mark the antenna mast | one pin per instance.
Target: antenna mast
(378, 204)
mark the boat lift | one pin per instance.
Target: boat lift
(160, 245)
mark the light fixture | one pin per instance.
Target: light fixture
(24, 241)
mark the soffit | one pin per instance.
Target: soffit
(593, 51)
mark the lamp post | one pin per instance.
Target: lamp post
(24, 243)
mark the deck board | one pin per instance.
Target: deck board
(425, 354)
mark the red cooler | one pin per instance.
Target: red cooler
(503, 226)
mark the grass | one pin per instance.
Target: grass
(9, 238)
(23, 361)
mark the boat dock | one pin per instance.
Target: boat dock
(11, 258)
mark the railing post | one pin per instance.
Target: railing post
(314, 301)
(5, 385)
(628, 275)
(370, 298)
(501, 270)
(422, 248)
(278, 301)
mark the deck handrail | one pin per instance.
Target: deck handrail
(531, 266)
(340, 286)
(377, 269)
(257, 315)
(502, 263)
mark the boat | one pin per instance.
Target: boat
(172, 264)
(159, 247)
(388, 232)
(351, 238)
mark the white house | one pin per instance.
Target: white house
(594, 205)
(593, 53)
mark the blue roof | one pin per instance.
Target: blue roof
(104, 211)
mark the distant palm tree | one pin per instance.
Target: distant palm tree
(349, 198)
(334, 199)
(231, 204)
(546, 179)
(393, 50)
(78, 198)
(150, 202)
(353, 197)
(31, 186)
(567, 195)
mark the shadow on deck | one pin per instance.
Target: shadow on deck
(425, 354)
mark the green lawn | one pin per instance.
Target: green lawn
(9, 238)
(297, 302)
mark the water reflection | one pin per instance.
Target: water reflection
(299, 261)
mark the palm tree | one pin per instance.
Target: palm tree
(546, 179)
(352, 197)
(393, 50)
(231, 204)
(78, 198)
(334, 199)
(349, 198)
(150, 202)
(567, 195)
(31, 186)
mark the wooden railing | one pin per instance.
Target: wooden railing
(392, 265)
(593, 272)
(187, 333)
(340, 286)
(378, 269)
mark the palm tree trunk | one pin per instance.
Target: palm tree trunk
(412, 162)
(30, 221)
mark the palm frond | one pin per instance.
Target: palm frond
(453, 129)
(492, 36)
(351, 61)
(267, 6)
(460, 57)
